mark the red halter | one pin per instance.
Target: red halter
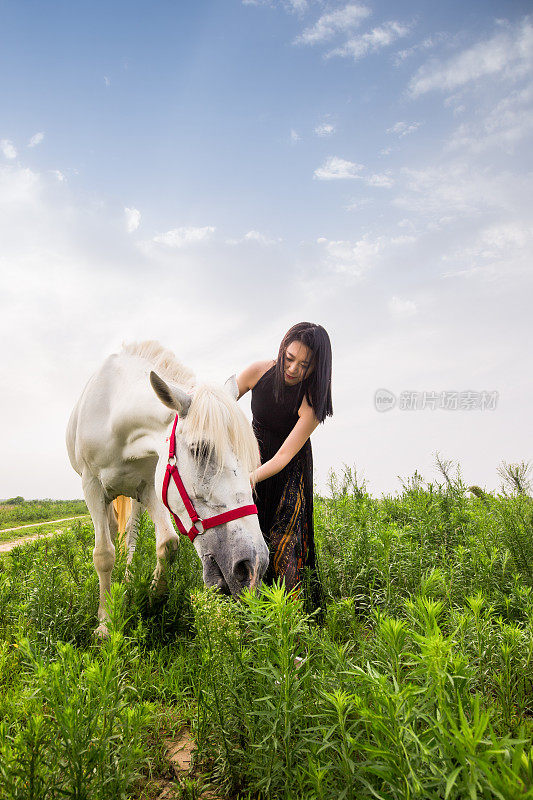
(198, 525)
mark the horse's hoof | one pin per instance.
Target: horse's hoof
(168, 551)
(159, 589)
(101, 632)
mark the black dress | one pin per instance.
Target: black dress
(285, 501)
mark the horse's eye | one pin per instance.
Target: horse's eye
(200, 451)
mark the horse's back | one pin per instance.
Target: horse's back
(117, 421)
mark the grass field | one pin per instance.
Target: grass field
(418, 684)
(39, 529)
(36, 511)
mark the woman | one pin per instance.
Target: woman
(290, 397)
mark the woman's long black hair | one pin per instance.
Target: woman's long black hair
(317, 385)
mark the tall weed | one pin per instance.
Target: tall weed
(83, 737)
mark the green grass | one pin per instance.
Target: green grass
(419, 683)
(25, 512)
(39, 528)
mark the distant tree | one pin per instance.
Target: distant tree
(14, 501)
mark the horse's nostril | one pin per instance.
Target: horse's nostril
(213, 575)
(222, 586)
(243, 571)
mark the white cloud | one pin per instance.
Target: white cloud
(404, 128)
(292, 6)
(36, 139)
(260, 238)
(459, 190)
(133, 219)
(8, 148)
(380, 180)
(506, 124)
(508, 54)
(356, 258)
(182, 237)
(336, 168)
(402, 308)
(59, 176)
(425, 44)
(297, 5)
(294, 136)
(497, 250)
(325, 129)
(254, 236)
(19, 188)
(342, 20)
(357, 203)
(353, 258)
(407, 224)
(372, 41)
(107, 81)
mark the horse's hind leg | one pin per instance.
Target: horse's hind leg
(104, 550)
(112, 521)
(166, 538)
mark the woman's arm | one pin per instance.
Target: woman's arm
(249, 376)
(292, 444)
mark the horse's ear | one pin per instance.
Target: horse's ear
(171, 396)
(232, 387)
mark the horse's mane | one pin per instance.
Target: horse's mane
(214, 422)
(164, 362)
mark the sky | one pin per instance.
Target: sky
(207, 174)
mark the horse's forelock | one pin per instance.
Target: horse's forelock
(214, 424)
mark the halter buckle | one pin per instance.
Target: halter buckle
(198, 526)
(172, 461)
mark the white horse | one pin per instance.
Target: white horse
(118, 441)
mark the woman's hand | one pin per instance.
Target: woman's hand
(296, 439)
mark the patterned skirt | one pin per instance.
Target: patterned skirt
(285, 508)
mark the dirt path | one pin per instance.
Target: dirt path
(43, 522)
(5, 547)
(179, 753)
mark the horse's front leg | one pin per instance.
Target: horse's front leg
(104, 550)
(166, 538)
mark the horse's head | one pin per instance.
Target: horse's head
(215, 452)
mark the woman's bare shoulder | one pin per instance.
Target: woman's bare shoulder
(258, 369)
(252, 374)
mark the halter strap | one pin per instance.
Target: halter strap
(198, 525)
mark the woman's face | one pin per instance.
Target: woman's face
(297, 363)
